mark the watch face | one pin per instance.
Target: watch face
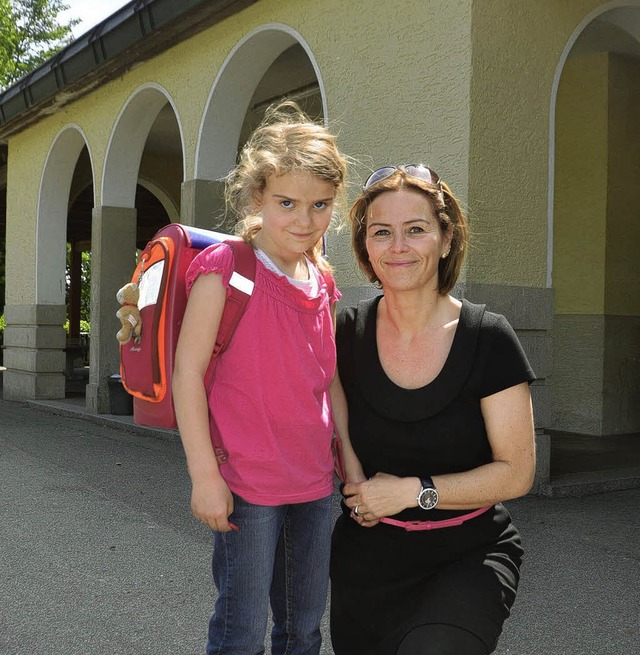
(428, 498)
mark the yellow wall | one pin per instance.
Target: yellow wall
(622, 288)
(427, 59)
(517, 45)
(596, 268)
(399, 78)
(581, 186)
(25, 163)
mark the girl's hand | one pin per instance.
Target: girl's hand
(212, 503)
(379, 496)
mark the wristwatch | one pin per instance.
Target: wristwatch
(428, 496)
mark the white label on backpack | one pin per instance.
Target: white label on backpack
(241, 283)
(150, 285)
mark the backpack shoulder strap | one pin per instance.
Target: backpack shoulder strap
(240, 290)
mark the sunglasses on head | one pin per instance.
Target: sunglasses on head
(420, 171)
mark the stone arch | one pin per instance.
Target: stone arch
(127, 142)
(232, 91)
(53, 203)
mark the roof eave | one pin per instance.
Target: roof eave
(133, 34)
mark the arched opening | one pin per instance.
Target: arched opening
(140, 193)
(63, 230)
(595, 231)
(270, 63)
(78, 277)
(144, 167)
(290, 76)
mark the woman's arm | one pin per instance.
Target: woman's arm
(211, 499)
(508, 418)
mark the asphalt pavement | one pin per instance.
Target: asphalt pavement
(100, 554)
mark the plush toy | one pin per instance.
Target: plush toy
(129, 314)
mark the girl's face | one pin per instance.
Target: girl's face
(404, 240)
(296, 211)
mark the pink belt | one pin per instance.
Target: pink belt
(412, 526)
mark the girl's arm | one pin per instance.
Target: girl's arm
(211, 499)
(352, 466)
(508, 418)
(340, 411)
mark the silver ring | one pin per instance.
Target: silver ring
(355, 510)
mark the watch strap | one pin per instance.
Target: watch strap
(427, 483)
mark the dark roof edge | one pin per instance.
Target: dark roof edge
(137, 31)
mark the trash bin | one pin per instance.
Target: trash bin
(120, 401)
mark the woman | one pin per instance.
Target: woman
(425, 558)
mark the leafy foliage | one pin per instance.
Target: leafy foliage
(30, 34)
(85, 293)
(2, 274)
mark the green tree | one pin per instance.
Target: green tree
(30, 34)
(85, 290)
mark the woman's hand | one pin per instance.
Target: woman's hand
(212, 503)
(379, 496)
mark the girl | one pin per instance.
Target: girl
(269, 502)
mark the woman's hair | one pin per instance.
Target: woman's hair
(446, 208)
(286, 141)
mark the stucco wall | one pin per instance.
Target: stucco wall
(408, 69)
(581, 166)
(517, 48)
(428, 119)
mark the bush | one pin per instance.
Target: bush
(85, 326)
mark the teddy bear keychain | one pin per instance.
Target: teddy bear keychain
(129, 314)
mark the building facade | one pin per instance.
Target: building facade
(527, 108)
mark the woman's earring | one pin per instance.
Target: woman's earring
(446, 254)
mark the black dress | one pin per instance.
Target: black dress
(385, 580)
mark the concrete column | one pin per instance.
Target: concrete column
(530, 311)
(202, 205)
(113, 248)
(34, 339)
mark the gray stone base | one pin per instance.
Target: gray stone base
(21, 385)
(543, 462)
(97, 398)
(34, 342)
(596, 380)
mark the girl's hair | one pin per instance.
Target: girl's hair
(446, 208)
(286, 141)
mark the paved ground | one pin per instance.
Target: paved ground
(99, 553)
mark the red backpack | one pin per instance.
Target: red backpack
(146, 363)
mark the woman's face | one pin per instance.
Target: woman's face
(404, 240)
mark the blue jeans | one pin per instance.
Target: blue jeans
(281, 553)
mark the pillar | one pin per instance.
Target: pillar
(113, 239)
(202, 205)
